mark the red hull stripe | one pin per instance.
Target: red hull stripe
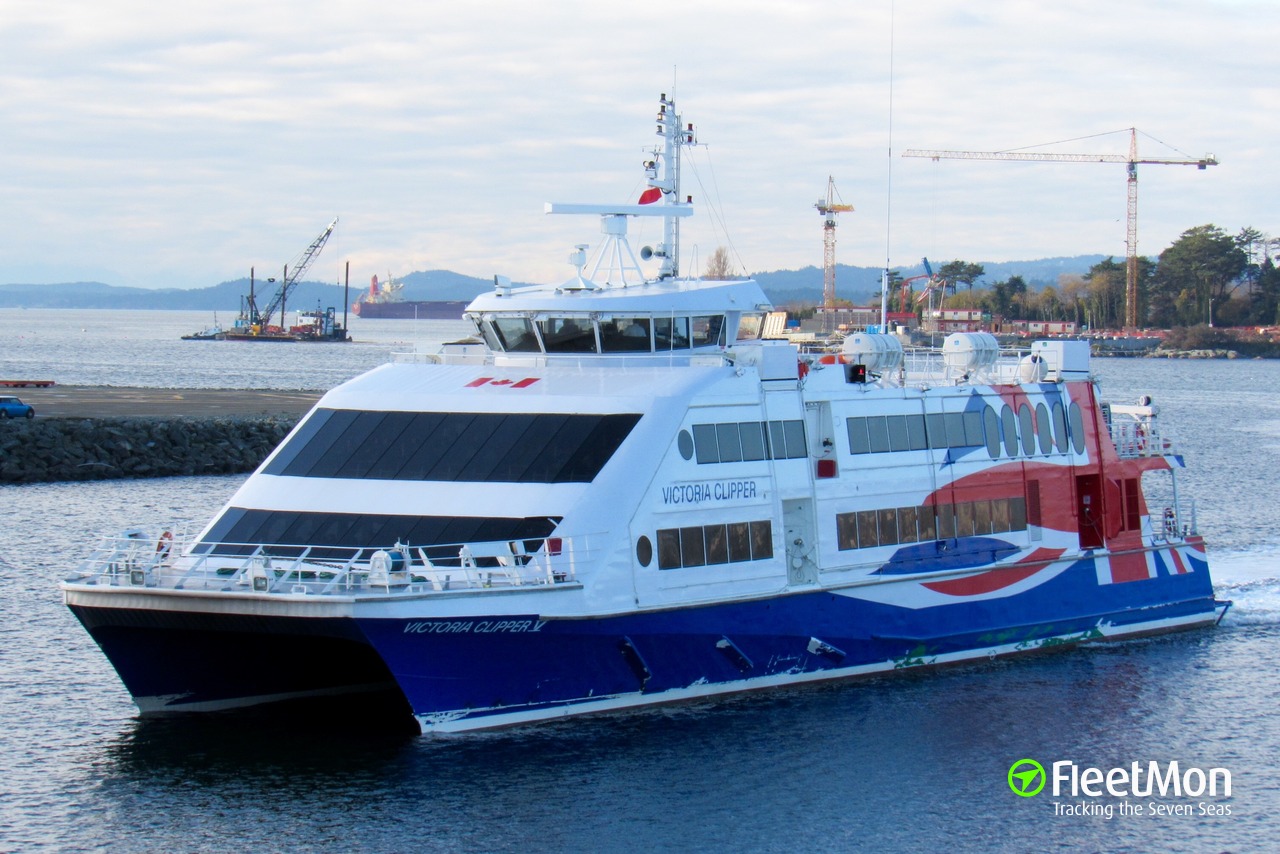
(1130, 566)
(996, 579)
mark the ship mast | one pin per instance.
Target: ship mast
(662, 171)
(674, 136)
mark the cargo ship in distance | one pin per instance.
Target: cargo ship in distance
(384, 301)
(625, 495)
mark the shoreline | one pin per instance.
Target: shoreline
(105, 432)
(79, 401)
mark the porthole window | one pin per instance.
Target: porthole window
(1060, 427)
(684, 442)
(1028, 429)
(1077, 428)
(644, 551)
(1009, 422)
(1043, 430)
(991, 427)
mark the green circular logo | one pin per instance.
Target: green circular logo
(1026, 778)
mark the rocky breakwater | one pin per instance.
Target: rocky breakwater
(55, 449)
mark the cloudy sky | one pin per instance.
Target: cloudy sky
(165, 144)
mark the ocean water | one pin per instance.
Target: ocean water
(145, 349)
(909, 763)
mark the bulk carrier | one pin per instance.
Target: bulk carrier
(384, 301)
(627, 496)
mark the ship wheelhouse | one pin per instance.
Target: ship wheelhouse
(670, 319)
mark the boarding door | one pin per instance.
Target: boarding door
(800, 541)
(1089, 510)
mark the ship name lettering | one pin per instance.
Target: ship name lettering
(720, 490)
(455, 627)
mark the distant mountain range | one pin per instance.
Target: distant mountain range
(858, 284)
(429, 285)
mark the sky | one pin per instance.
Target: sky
(160, 144)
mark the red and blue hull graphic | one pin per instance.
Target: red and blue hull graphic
(465, 673)
(475, 672)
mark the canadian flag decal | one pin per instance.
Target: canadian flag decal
(524, 383)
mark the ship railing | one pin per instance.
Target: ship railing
(135, 555)
(1139, 437)
(1175, 522)
(416, 358)
(929, 366)
(131, 559)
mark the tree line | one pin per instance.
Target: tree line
(1205, 277)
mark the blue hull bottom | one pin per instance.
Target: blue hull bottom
(175, 661)
(462, 674)
(482, 672)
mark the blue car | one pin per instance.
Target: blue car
(11, 407)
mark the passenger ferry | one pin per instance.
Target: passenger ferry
(628, 495)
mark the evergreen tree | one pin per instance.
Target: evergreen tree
(1200, 270)
(1264, 301)
(962, 272)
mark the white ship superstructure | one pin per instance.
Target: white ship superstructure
(628, 496)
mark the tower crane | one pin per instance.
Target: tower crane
(830, 208)
(292, 277)
(1131, 163)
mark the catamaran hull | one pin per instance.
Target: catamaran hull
(175, 660)
(462, 673)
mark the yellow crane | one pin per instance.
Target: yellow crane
(830, 208)
(1131, 162)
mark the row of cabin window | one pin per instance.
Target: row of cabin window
(612, 335)
(709, 545)
(1057, 430)
(736, 441)
(892, 526)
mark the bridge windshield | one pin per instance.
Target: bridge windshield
(591, 334)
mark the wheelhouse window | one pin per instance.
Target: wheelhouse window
(568, 334)
(671, 333)
(708, 330)
(625, 335)
(750, 326)
(512, 334)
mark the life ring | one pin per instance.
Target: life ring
(164, 543)
(833, 359)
